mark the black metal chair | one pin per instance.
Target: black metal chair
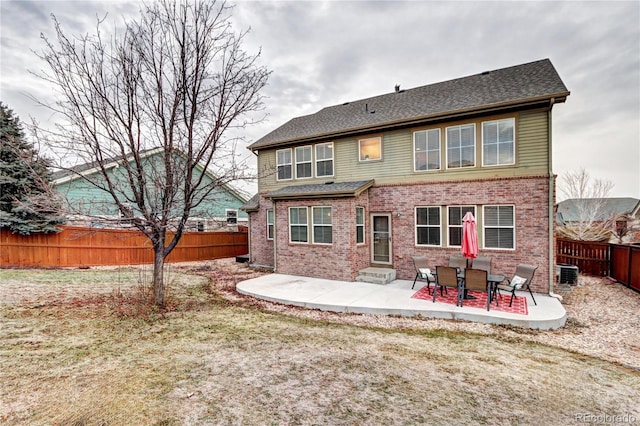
(423, 272)
(447, 276)
(521, 281)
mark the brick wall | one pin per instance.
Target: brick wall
(529, 195)
(343, 259)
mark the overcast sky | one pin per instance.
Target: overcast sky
(327, 53)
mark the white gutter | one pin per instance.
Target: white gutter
(552, 252)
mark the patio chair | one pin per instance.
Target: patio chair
(521, 280)
(483, 263)
(476, 280)
(447, 276)
(459, 262)
(423, 272)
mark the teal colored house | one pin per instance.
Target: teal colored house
(89, 203)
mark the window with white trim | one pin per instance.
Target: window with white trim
(426, 150)
(322, 225)
(324, 159)
(428, 228)
(499, 227)
(359, 225)
(454, 223)
(303, 162)
(370, 149)
(232, 217)
(283, 164)
(298, 225)
(461, 146)
(498, 142)
(270, 226)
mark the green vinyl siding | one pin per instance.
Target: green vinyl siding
(396, 165)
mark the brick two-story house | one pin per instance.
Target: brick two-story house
(374, 181)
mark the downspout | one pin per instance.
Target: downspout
(552, 254)
(275, 234)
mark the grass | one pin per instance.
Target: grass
(83, 348)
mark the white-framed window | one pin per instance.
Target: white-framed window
(426, 150)
(454, 223)
(270, 224)
(232, 217)
(322, 225)
(461, 146)
(283, 163)
(499, 226)
(428, 226)
(370, 149)
(498, 142)
(324, 159)
(359, 225)
(304, 165)
(298, 225)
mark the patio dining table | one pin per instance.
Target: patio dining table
(492, 281)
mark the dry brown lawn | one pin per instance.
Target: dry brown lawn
(80, 347)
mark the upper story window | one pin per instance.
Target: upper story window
(498, 142)
(303, 162)
(283, 163)
(232, 217)
(270, 224)
(499, 227)
(370, 149)
(426, 150)
(461, 146)
(324, 159)
(359, 225)
(455, 215)
(298, 225)
(322, 225)
(428, 229)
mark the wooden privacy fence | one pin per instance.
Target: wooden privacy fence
(78, 247)
(625, 264)
(590, 257)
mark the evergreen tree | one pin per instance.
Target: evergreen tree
(26, 204)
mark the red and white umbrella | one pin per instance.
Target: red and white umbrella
(469, 246)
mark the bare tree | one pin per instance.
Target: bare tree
(592, 221)
(175, 81)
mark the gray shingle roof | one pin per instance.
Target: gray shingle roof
(535, 81)
(569, 210)
(321, 190)
(253, 205)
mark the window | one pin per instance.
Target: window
(359, 225)
(498, 142)
(499, 227)
(461, 146)
(303, 162)
(232, 217)
(283, 163)
(322, 227)
(324, 159)
(370, 149)
(270, 224)
(426, 150)
(455, 215)
(428, 226)
(298, 225)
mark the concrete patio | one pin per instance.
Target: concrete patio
(393, 299)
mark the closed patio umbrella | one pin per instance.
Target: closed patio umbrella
(469, 247)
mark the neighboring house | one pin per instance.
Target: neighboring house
(374, 181)
(620, 215)
(96, 207)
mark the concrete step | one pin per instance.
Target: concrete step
(376, 275)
